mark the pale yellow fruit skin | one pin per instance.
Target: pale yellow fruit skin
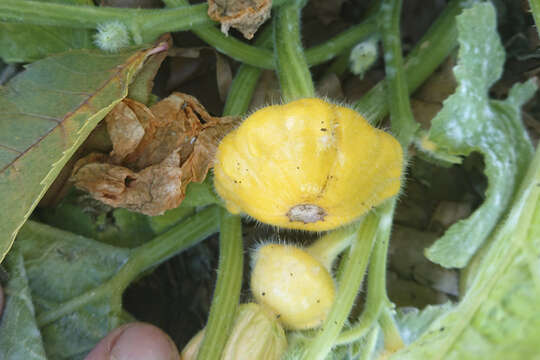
(292, 284)
(256, 335)
(308, 151)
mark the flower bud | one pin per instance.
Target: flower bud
(256, 334)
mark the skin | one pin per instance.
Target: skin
(133, 341)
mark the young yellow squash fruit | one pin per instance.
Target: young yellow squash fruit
(308, 165)
(292, 284)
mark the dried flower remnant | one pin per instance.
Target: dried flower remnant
(244, 15)
(157, 152)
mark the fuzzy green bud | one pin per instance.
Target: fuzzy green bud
(112, 36)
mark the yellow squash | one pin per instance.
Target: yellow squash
(308, 165)
(292, 284)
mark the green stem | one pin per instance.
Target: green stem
(376, 288)
(370, 344)
(392, 338)
(245, 81)
(330, 245)
(182, 236)
(535, 9)
(228, 285)
(262, 58)
(401, 117)
(426, 56)
(291, 66)
(350, 281)
(340, 43)
(149, 22)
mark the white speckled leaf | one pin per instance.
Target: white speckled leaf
(470, 121)
(57, 266)
(19, 335)
(499, 315)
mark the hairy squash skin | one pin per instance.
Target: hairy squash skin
(308, 165)
(293, 285)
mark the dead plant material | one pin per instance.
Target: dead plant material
(157, 152)
(244, 15)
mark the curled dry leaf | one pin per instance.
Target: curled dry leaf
(157, 152)
(244, 15)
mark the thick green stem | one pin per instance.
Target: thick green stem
(330, 245)
(401, 117)
(263, 58)
(370, 344)
(148, 22)
(291, 66)
(340, 43)
(245, 82)
(350, 281)
(392, 338)
(376, 286)
(228, 285)
(426, 56)
(182, 236)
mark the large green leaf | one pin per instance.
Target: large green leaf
(499, 315)
(19, 334)
(75, 285)
(46, 112)
(26, 43)
(470, 121)
(60, 266)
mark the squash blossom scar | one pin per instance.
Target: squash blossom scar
(306, 213)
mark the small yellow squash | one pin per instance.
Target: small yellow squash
(308, 165)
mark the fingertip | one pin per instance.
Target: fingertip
(135, 341)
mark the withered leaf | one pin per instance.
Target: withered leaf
(244, 15)
(157, 152)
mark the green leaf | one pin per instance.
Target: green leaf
(412, 322)
(60, 266)
(499, 315)
(19, 334)
(470, 121)
(83, 216)
(26, 43)
(46, 113)
(76, 283)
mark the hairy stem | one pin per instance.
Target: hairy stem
(148, 23)
(331, 244)
(245, 81)
(376, 286)
(350, 281)
(291, 66)
(426, 56)
(228, 285)
(401, 117)
(392, 338)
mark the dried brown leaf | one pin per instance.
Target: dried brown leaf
(157, 152)
(244, 15)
